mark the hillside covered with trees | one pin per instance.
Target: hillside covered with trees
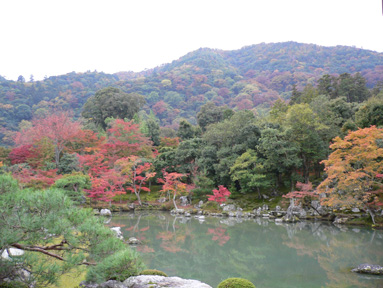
(249, 78)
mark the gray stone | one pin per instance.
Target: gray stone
(187, 214)
(229, 208)
(162, 200)
(154, 281)
(278, 208)
(105, 212)
(12, 252)
(132, 206)
(112, 284)
(133, 241)
(184, 201)
(107, 284)
(200, 203)
(232, 214)
(302, 213)
(315, 204)
(177, 211)
(264, 196)
(340, 220)
(265, 215)
(118, 232)
(258, 211)
(265, 207)
(368, 269)
(355, 210)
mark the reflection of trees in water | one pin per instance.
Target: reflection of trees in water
(331, 252)
(255, 249)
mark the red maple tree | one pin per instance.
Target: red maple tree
(220, 196)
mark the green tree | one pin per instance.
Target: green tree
(371, 113)
(112, 102)
(209, 114)
(186, 130)
(303, 126)
(153, 131)
(230, 139)
(56, 237)
(248, 171)
(278, 155)
(73, 184)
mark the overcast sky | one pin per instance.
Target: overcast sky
(55, 37)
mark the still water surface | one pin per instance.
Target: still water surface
(305, 254)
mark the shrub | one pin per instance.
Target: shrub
(118, 266)
(153, 272)
(211, 206)
(235, 283)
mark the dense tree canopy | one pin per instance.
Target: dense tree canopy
(112, 102)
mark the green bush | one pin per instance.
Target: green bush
(235, 283)
(211, 206)
(153, 272)
(8, 184)
(118, 266)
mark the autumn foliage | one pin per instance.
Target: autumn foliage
(304, 190)
(353, 170)
(220, 196)
(172, 184)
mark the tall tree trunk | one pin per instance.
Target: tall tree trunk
(174, 201)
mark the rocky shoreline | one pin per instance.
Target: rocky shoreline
(294, 213)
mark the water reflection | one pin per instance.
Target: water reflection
(304, 254)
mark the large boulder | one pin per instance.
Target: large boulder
(146, 281)
(368, 269)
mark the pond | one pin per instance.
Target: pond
(304, 254)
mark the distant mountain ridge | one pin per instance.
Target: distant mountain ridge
(251, 77)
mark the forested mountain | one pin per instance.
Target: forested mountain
(249, 78)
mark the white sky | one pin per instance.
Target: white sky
(55, 37)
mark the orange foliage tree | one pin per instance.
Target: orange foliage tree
(172, 184)
(353, 171)
(135, 173)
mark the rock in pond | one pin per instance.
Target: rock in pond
(369, 269)
(118, 232)
(105, 212)
(133, 241)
